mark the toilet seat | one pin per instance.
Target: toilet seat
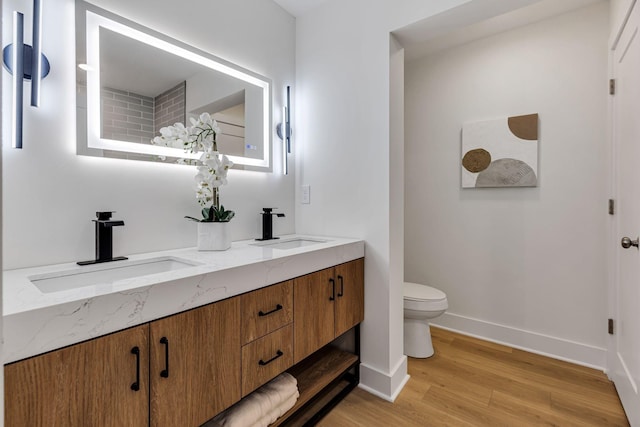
(424, 298)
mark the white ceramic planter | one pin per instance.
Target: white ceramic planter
(214, 236)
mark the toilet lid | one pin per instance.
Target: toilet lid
(417, 292)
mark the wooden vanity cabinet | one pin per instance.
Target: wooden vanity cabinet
(184, 369)
(195, 364)
(90, 384)
(327, 303)
(87, 384)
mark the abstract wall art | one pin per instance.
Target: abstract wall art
(501, 152)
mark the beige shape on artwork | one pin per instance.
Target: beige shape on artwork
(476, 160)
(507, 173)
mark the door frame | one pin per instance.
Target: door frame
(618, 23)
(616, 33)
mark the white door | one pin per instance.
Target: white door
(625, 363)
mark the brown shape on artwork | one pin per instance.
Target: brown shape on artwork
(524, 127)
(476, 160)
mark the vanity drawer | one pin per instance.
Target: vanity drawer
(265, 358)
(265, 310)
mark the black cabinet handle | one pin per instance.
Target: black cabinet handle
(333, 289)
(262, 313)
(278, 354)
(341, 279)
(165, 372)
(136, 385)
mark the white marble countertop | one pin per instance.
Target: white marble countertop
(36, 322)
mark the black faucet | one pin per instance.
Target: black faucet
(267, 223)
(104, 239)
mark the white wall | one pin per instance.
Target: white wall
(341, 139)
(396, 191)
(526, 266)
(51, 194)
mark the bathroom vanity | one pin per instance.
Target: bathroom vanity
(178, 347)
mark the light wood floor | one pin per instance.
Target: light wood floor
(470, 382)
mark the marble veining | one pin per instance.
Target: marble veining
(37, 322)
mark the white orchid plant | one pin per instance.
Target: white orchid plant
(200, 137)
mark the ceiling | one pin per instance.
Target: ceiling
(471, 21)
(299, 7)
(475, 20)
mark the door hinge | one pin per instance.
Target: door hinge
(610, 326)
(612, 207)
(612, 86)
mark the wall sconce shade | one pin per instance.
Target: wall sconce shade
(25, 62)
(284, 131)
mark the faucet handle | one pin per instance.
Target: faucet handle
(103, 216)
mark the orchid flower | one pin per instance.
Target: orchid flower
(212, 167)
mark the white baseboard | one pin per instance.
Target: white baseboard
(546, 345)
(386, 386)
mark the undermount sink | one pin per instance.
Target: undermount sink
(97, 274)
(297, 242)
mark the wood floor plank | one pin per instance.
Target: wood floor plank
(543, 377)
(461, 339)
(523, 410)
(451, 380)
(423, 413)
(470, 382)
(469, 411)
(415, 390)
(561, 363)
(423, 369)
(516, 359)
(585, 409)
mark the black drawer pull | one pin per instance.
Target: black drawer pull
(263, 363)
(341, 279)
(262, 313)
(165, 372)
(136, 385)
(333, 289)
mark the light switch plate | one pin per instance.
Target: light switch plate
(306, 194)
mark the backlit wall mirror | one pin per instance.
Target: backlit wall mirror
(132, 81)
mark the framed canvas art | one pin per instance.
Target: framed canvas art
(501, 152)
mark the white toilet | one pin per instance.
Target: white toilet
(421, 303)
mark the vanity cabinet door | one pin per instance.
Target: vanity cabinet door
(326, 304)
(349, 295)
(87, 384)
(313, 312)
(195, 364)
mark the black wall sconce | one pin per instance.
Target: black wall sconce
(284, 132)
(25, 62)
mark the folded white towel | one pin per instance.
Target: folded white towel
(277, 412)
(263, 406)
(280, 389)
(273, 416)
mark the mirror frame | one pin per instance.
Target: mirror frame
(89, 19)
